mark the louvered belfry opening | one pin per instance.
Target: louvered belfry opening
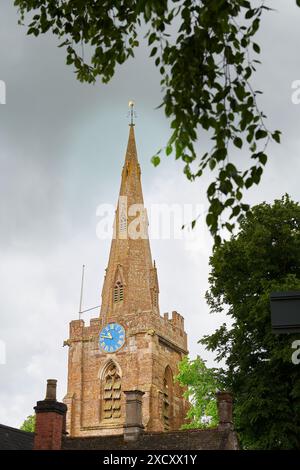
(118, 292)
(112, 393)
(154, 298)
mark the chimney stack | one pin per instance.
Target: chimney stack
(134, 417)
(50, 420)
(224, 404)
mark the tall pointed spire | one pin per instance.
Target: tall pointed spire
(130, 283)
(131, 174)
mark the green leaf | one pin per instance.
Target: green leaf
(262, 158)
(211, 189)
(238, 142)
(231, 169)
(220, 153)
(229, 202)
(153, 52)
(256, 47)
(169, 150)
(212, 163)
(276, 135)
(155, 160)
(240, 92)
(260, 134)
(151, 38)
(210, 219)
(249, 14)
(248, 183)
(235, 211)
(229, 226)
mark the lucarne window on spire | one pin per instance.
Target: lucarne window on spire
(154, 298)
(118, 292)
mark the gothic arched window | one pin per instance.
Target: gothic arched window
(111, 403)
(118, 292)
(167, 399)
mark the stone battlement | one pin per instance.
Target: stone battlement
(172, 329)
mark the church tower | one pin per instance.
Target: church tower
(130, 346)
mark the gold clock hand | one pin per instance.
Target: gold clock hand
(106, 336)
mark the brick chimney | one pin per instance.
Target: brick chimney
(224, 404)
(134, 417)
(50, 420)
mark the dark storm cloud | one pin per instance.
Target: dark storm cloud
(61, 152)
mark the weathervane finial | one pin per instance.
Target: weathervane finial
(131, 113)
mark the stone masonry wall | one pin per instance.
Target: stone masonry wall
(152, 344)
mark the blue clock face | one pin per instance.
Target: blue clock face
(112, 337)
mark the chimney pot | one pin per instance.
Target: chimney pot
(224, 403)
(51, 389)
(134, 416)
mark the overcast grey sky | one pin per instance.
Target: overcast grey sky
(62, 146)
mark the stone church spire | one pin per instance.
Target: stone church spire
(130, 283)
(130, 346)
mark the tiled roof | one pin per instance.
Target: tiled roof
(15, 439)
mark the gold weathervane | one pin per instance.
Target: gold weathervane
(131, 113)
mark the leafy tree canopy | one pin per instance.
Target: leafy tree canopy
(29, 424)
(205, 68)
(201, 384)
(263, 257)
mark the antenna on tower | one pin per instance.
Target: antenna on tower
(131, 113)
(81, 296)
(81, 291)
